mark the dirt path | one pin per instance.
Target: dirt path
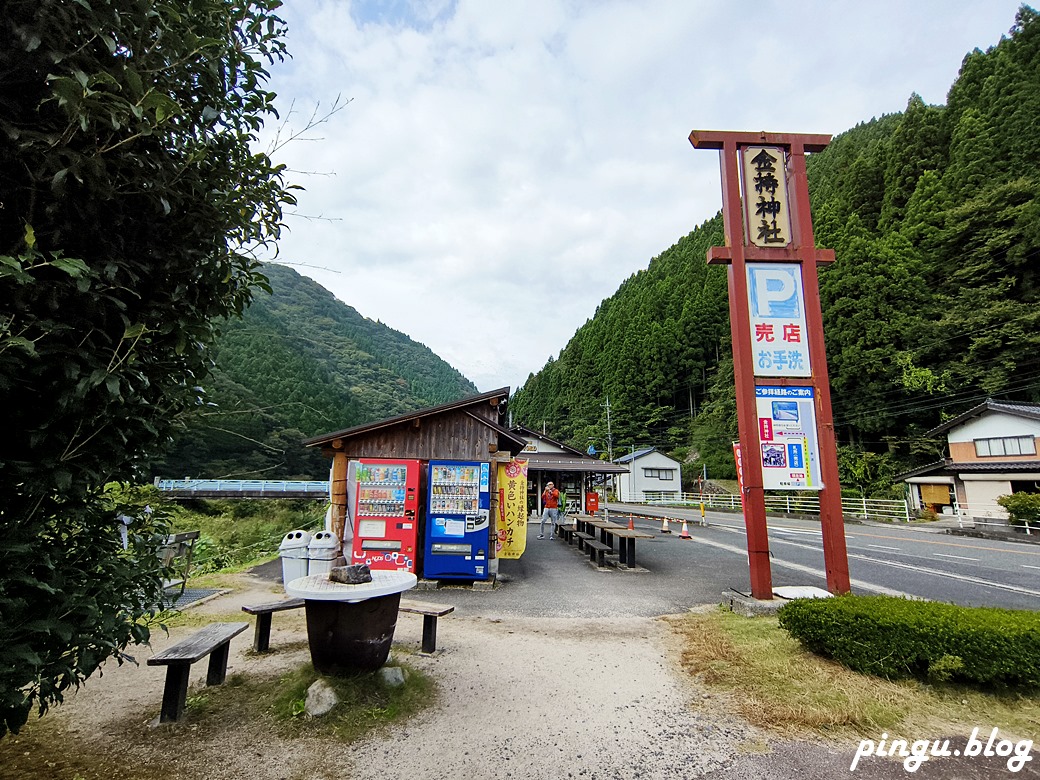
(520, 696)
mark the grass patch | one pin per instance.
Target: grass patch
(366, 704)
(236, 534)
(777, 684)
(242, 702)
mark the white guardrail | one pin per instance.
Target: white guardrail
(989, 516)
(866, 508)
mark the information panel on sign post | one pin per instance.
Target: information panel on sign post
(776, 305)
(787, 435)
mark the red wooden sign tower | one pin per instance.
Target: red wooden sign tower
(799, 248)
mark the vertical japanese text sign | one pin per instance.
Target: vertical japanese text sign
(767, 220)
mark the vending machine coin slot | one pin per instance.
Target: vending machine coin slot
(438, 548)
(381, 544)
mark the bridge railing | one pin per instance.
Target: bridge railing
(241, 486)
(866, 508)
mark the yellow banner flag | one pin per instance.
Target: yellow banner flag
(512, 503)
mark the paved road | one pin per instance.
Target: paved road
(882, 558)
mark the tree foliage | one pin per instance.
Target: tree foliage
(300, 363)
(933, 303)
(132, 203)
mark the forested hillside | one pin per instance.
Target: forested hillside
(299, 363)
(932, 304)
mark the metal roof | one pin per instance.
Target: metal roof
(555, 461)
(948, 467)
(634, 455)
(1018, 409)
(502, 394)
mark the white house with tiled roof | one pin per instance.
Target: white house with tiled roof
(992, 452)
(652, 475)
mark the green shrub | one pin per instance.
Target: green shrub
(896, 637)
(1022, 507)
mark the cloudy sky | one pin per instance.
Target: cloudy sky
(502, 166)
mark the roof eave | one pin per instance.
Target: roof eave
(327, 438)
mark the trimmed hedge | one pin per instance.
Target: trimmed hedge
(896, 637)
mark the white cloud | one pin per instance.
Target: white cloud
(503, 166)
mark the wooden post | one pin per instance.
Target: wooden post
(339, 494)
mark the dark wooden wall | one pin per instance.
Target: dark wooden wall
(454, 435)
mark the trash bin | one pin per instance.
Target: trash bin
(293, 551)
(323, 551)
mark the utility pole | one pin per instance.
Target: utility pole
(610, 446)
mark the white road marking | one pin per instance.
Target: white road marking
(882, 547)
(805, 569)
(909, 567)
(958, 557)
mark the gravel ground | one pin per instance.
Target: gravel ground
(553, 681)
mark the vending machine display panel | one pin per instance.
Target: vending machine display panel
(458, 520)
(384, 497)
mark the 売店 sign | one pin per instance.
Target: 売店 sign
(776, 306)
(787, 434)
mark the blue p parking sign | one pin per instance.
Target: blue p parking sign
(776, 309)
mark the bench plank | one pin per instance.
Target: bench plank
(274, 606)
(213, 640)
(422, 608)
(263, 612)
(198, 645)
(430, 613)
(582, 539)
(597, 550)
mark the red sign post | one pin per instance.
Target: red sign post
(767, 221)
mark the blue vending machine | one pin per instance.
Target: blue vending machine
(458, 504)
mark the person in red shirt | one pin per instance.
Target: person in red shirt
(551, 510)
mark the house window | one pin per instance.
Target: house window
(658, 473)
(1007, 445)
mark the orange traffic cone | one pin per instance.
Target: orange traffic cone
(664, 526)
(685, 533)
(631, 523)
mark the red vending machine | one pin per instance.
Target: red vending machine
(383, 496)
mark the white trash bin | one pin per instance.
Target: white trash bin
(293, 551)
(323, 551)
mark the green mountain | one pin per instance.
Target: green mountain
(298, 363)
(933, 303)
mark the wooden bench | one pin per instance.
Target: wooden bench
(263, 612)
(430, 613)
(564, 531)
(582, 539)
(597, 550)
(213, 640)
